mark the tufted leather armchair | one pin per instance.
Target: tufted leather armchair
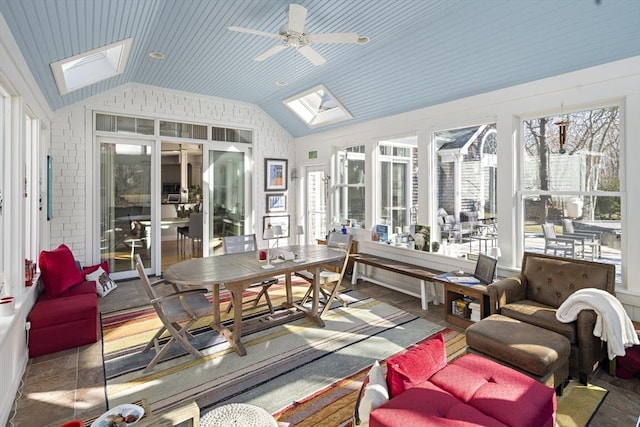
(534, 295)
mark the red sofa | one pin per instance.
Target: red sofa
(66, 313)
(471, 391)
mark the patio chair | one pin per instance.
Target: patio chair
(177, 312)
(569, 246)
(593, 239)
(330, 277)
(247, 243)
(453, 229)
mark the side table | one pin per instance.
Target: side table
(453, 291)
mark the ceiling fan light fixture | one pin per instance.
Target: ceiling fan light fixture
(281, 83)
(292, 34)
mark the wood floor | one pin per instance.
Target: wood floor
(68, 384)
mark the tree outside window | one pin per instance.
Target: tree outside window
(571, 171)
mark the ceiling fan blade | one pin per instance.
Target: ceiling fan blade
(333, 38)
(297, 16)
(312, 55)
(275, 49)
(255, 32)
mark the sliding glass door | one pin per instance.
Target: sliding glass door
(125, 204)
(227, 180)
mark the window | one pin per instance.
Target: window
(394, 185)
(183, 130)
(571, 171)
(318, 107)
(350, 187)
(91, 67)
(466, 190)
(231, 135)
(124, 124)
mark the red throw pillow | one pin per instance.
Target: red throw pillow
(59, 271)
(91, 268)
(416, 365)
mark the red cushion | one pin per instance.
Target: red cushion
(628, 366)
(90, 269)
(416, 365)
(471, 390)
(58, 270)
(86, 287)
(63, 310)
(428, 405)
(63, 322)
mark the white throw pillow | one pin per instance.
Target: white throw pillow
(104, 283)
(375, 393)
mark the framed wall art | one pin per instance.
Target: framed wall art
(273, 220)
(276, 202)
(275, 171)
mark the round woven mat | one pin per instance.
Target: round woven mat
(238, 414)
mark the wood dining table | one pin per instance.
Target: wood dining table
(236, 272)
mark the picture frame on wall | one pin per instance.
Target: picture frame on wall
(273, 220)
(275, 171)
(276, 202)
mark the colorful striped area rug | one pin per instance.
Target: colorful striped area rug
(284, 365)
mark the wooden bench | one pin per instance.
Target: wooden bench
(425, 275)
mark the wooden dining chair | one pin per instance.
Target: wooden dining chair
(248, 243)
(177, 312)
(331, 276)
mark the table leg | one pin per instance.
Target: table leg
(216, 305)
(233, 335)
(315, 316)
(287, 281)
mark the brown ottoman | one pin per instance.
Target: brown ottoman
(540, 353)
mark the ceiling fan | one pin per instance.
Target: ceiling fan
(292, 35)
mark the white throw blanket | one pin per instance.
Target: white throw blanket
(613, 325)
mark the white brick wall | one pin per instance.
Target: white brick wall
(70, 140)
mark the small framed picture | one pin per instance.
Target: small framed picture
(273, 220)
(276, 202)
(275, 171)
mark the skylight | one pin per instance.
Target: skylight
(318, 107)
(91, 67)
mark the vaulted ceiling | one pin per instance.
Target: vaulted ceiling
(421, 52)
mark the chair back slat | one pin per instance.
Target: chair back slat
(339, 240)
(148, 289)
(567, 226)
(195, 225)
(549, 231)
(239, 244)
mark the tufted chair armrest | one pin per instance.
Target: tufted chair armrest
(506, 291)
(592, 348)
